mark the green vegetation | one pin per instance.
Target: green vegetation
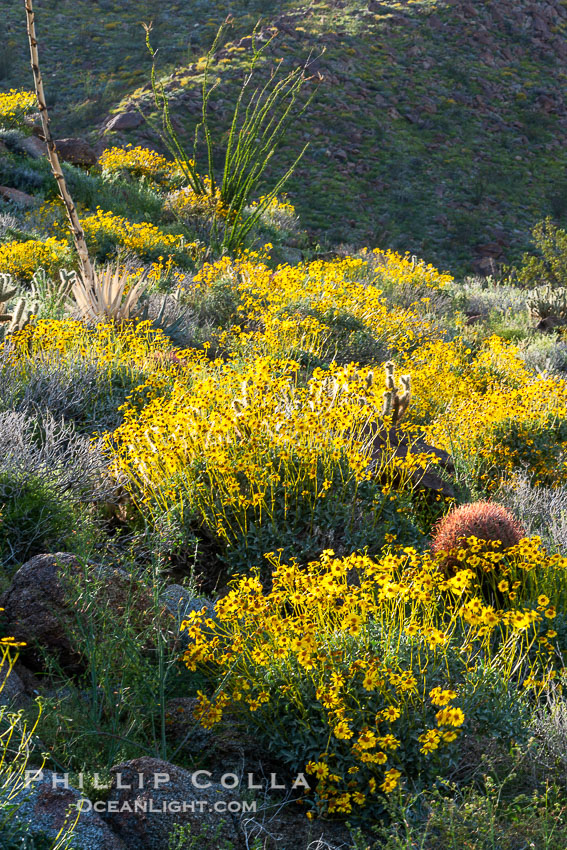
(312, 495)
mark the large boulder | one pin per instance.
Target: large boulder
(150, 796)
(12, 689)
(76, 151)
(34, 147)
(15, 196)
(125, 121)
(47, 806)
(38, 605)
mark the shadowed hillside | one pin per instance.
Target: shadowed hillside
(439, 127)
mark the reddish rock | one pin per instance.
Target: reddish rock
(38, 604)
(22, 199)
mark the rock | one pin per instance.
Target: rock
(486, 266)
(76, 151)
(38, 607)
(550, 324)
(34, 147)
(396, 444)
(12, 689)
(180, 602)
(183, 728)
(14, 196)
(140, 819)
(125, 121)
(46, 809)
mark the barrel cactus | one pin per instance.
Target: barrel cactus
(483, 520)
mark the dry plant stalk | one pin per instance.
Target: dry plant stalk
(102, 297)
(76, 229)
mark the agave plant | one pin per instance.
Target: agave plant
(107, 296)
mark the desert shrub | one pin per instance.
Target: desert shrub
(129, 665)
(490, 411)
(482, 296)
(47, 357)
(36, 518)
(541, 510)
(490, 815)
(137, 162)
(16, 748)
(545, 354)
(254, 457)
(367, 673)
(140, 201)
(47, 474)
(70, 388)
(106, 231)
(22, 259)
(549, 265)
(314, 309)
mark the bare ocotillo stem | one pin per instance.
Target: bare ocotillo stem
(76, 229)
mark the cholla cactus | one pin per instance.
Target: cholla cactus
(6, 293)
(549, 302)
(22, 315)
(396, 400)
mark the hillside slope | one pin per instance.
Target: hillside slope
(439, 127)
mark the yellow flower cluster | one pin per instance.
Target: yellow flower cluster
(139, 162)
(14, 106)
(142, 238)
(186, 203)
(403, 271)
(489, 405)
(22, 259)
(138, 348)
(355, 658)
(245, 442)
(275, 206)
(294, 308)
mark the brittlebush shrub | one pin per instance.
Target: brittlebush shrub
(365, 673)
(490, 411)
(261, 460)
(318, 311)
(139, 163)
(22, 259)
(14, 106)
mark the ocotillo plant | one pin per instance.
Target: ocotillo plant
(75, 224)
(262, 115)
